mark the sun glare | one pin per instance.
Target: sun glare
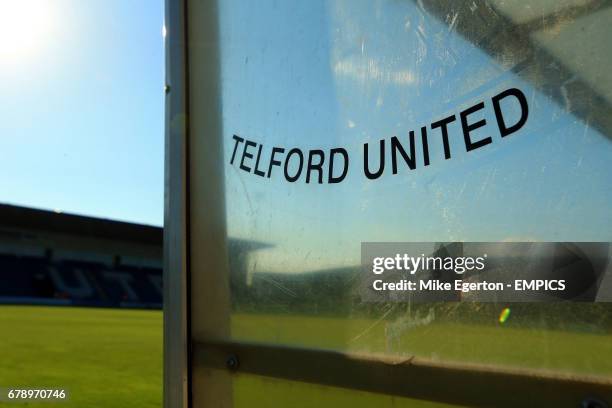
(25, 28)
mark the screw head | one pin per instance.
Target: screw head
(232, 363)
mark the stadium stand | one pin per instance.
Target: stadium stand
(62, 259)
(54, 258)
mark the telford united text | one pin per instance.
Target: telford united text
(332, 166)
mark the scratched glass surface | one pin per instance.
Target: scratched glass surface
(323, 75)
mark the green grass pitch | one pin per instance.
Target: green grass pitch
(104, 357)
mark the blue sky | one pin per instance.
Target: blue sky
(82, 107)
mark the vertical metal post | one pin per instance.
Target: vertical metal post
(176, 238)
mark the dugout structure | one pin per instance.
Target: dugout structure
(286, 327)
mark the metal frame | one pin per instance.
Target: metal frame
(176, 238)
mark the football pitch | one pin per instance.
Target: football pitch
(113, 357)
(103, 357)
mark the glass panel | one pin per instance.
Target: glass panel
(271, 392)
(319, 76)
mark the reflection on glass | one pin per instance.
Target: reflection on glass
(270, 392)
(323, 75)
